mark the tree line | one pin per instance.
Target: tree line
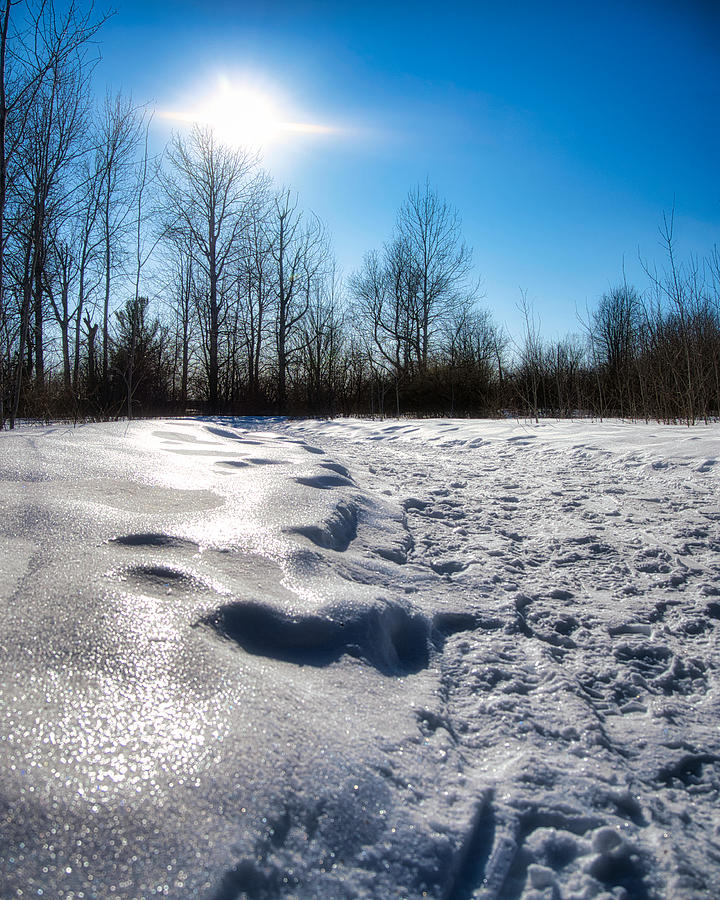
(133, 285)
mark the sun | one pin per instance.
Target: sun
(243, 115)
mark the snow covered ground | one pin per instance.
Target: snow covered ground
(453, 659)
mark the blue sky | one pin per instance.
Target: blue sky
(561, 131)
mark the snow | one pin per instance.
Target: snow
(270, 658)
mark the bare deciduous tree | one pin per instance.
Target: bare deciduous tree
(429, 229)
(50, 148)
(208, 189)
(39, 45)
(300, 253)
(120, 134)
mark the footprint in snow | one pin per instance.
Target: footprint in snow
(155, 539)
(448, 566)
(231, 464)
(324, 482)
(337, 532)
(389, 636)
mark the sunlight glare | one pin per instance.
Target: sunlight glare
(242, 115)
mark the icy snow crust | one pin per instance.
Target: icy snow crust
(246, 658)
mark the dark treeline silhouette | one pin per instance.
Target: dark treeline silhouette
(132, 285)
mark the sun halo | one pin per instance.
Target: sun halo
(243, 115)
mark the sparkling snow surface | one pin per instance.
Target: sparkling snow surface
(246, 658)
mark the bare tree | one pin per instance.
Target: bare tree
(406, 295)
(181, 290)
(36, 44)
(384, 291)
(299, 253)
(613, 332)
(255, 293)
(208, 190)
(120, 134)
(530, 357)
(87, 241)
(51, 147)
(323, 340)
(142, 251)
(59, 276)
(472, 357)
(430, 232)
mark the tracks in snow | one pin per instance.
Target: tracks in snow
(583, 682)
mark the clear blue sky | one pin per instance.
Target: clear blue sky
(561, 131)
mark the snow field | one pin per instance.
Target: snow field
(359, 659)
